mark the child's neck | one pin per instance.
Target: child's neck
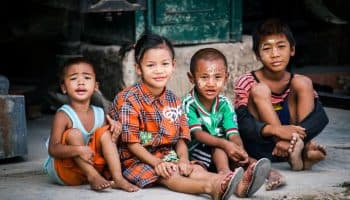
(79, 107)
(206, 103)
(273, 75)
(156, 92)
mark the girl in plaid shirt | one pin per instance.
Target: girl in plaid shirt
(155, 132)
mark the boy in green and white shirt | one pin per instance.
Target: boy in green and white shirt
(215, 141)
(220, 122)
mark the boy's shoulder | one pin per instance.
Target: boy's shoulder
(223, 99)
(188, 95)
(189, 99)
(245, 79)
(246, 75)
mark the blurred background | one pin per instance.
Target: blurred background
(36, 36)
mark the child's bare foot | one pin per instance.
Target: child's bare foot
(98, 183)
(274, 180)
(295, 157)
(226, 184)
(312, 154)
(292, 143)
(122, 183)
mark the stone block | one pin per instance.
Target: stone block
(13, 127)
(4, 85)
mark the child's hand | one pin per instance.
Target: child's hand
(185, 168)
(236, 153)
(281, 149)
(86, 154)
(115, 128)
(285, 132)
(165, 169)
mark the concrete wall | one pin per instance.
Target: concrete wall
(116, 72)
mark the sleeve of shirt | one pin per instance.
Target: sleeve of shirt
(194, 122)
(229, 119)
(129, 119)
(113, 112)
(241, 93)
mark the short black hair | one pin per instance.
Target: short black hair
(271, 27)
(206, 54)
(74, 61)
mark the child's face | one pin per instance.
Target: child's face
(275, 52)
(79, 82)
(156, 68)
(209, 78)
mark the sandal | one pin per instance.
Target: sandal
(261, 170)
(235, 178)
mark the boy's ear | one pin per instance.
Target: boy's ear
(97, 85)
(138, 69)
(190, 77)
(292, 51)
(257, 57)
(174, 63)
(63, 88)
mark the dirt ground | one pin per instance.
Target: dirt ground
(23, 178)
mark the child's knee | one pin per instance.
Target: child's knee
(302, 83)
(260, 90)
(74, 136)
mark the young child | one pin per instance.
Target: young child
(155, 131)
(80, 144)
(279, 112)
(212, 121)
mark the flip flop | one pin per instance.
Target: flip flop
(260, 172)
(231, 186)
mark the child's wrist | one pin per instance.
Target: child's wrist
(184, 160)
(158, 163)
(268, 130)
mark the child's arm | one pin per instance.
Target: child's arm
(255, 130)
(184, 163)
(59, 150)
(283, 132)
(115, 127)
(235, 152)
(236, 139)
(210, 140)
(162, 168)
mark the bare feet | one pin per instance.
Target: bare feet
(274, 180)
(122, 183)
(284, 147)
(292, 143)
(312, 154)
(98, 183)
(295, 158)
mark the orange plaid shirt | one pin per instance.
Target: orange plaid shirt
(156, 123)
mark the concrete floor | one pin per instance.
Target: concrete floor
(22, 178)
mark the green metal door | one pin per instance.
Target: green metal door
(195, 21)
